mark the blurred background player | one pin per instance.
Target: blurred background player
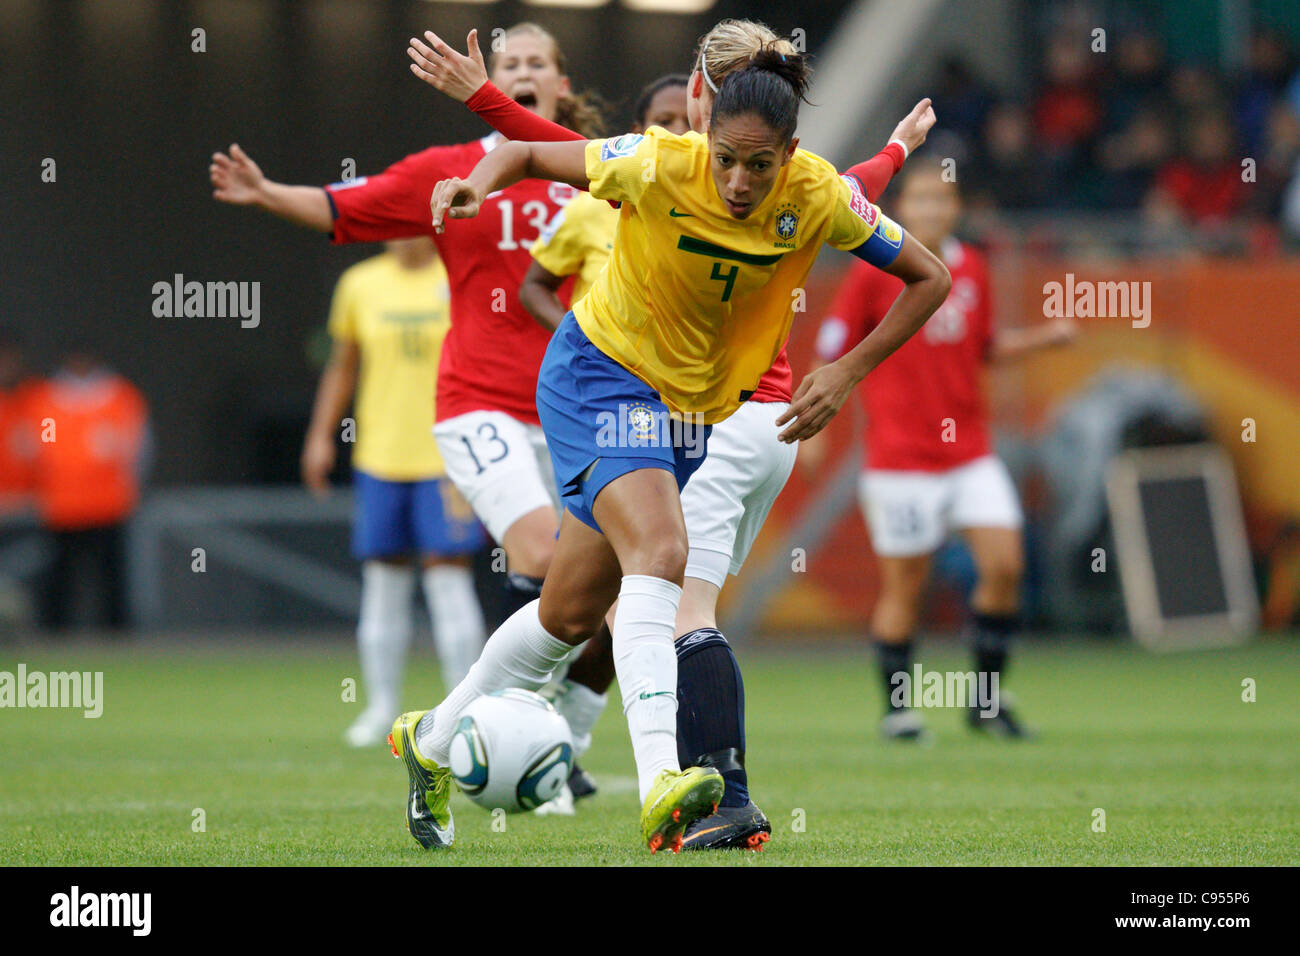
(17, 436)
(388, 320)
(929, 466)
(728, 499)
(91, 450)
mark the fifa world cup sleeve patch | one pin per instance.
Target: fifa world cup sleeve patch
(347, 184)
(620, 146)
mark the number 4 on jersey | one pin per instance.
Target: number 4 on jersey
(729, 277)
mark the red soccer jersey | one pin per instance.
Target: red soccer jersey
(493, 351)
(925, 404)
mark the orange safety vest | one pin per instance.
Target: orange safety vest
(89, 436)
(15, 446)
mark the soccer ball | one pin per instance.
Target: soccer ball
(512, 751)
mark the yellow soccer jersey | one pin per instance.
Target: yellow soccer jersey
(578, 241)
(398, 318)
(694, 302)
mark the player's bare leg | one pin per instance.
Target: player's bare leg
(640, 513)
(995, 606)
(893, 629)
(529, 544)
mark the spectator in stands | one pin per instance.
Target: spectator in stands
(1268, 65)
(1008, 171)
(963, 98)
(1132, 157)
(1204, 185)
(1067, 112)
(1277, 162)
(91, 449)
(1139, 82)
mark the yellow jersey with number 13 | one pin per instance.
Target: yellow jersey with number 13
(693, 302)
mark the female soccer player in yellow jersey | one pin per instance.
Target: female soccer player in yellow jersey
(728, 499)
(388, 320)
(715, 235)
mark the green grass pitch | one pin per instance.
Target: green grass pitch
(1185, 771)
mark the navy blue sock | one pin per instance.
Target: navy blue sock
(711, 710)
(520, 589)
(894, 658)
(991, 636)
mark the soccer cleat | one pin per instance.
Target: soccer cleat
(370, 728)
(1004, 723)
(741, 828)
(904, 723)
(581, 783)
(677, 799)
(428, 815)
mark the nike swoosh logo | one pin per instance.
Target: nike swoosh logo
(679, 215)
(658, 693)
(699, 833)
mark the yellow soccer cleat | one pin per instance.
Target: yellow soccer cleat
(428, 815)
(677, 799)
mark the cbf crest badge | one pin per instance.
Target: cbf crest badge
(787, 221)
(641, 421)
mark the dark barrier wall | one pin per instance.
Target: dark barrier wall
(112, 92)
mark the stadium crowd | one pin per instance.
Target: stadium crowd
(1178, 143)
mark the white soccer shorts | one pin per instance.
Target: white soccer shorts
(911, 512)
(726, 502)
(499, 464)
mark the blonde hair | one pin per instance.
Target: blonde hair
(732, 44)
(580, 112)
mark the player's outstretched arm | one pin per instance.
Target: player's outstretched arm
(504, 166)
(465, 79)
(450, 72)
(1011, 344)
(875, 173)
(915, 126)
(823, 392)
(237, 180)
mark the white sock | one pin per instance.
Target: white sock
(520, 654)
(384, 631)
(456, 617)
(581, 707)
(646, 664)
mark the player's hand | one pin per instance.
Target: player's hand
(236, 179)
(460, 77)
(318, 456)
(454, 199)
(820, 395)
(912, 130)
(1061, 331)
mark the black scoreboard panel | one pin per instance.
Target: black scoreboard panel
(1184, 555)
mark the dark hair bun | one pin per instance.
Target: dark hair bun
(791, 67)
